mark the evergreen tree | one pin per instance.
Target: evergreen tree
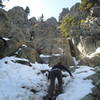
(1, 4)
(87, 4)
(41, 19)
(27, 10)
(66, 25)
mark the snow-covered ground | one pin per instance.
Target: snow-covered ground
(17, 80)
(77, 88)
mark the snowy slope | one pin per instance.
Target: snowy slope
(14, 76)
(77, 87)
(16, 81)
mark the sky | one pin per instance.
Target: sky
(49, 8)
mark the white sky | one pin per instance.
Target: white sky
(50, 8)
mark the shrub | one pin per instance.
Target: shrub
(66, 25)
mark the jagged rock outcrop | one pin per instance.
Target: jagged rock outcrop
(59, 46)
(63, 13)
(86, 35)
(74, 11)
(91, 60)
(30, 54)
(95, 11)
(18, 16)
(9, 47)
(15, 27)
(43, 36)
(52, 21)
(47, 29)
(3, 15)
(32, 21)
(90, 36)
(95, 95)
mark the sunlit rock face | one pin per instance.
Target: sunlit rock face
(17, 15)
(63, 13)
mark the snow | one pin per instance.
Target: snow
(6, 38)
(76, 62)
(16, 81)
(24, 45)
(47, 56)
(14, 76)
(76, 89)
(93, 54)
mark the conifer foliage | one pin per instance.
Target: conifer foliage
(87, 4)
(1, 3)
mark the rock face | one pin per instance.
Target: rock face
(43, 37)
(38, 36)
(95, 11)
(55, 46)
(15, 28)
(86, 34)
(63, 13)
(17, 16)
(29, 53)
(89, 37)
(93, 60)
(32, 21)
(47, 29)
(95, 95)
(74, 11)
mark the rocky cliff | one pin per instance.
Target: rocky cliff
(22, 34)
(28, 38)
(86, 33)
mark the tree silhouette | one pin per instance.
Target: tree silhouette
(27, 10)
(41, 19)
(1, 3)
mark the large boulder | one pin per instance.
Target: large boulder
(93, 60)
(88, 97)
(95, 11)
(63, 13)
(44, 30)
(8, 28)
(87, 45)
(9, 48)
(18, 16)
(3, 15)
(52, 21)
(60, 49)
(18, 19)
(11, 31)
(32, 21)
(29, 53)
(67, 58)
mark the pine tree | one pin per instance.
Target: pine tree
(41, 19)
(27, 10)
(1, 4)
